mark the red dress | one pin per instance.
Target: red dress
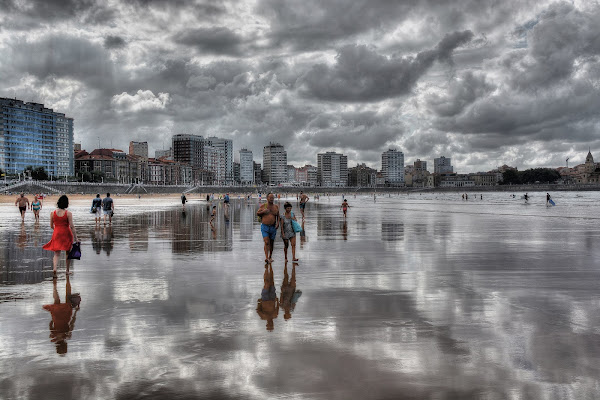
(62, 237)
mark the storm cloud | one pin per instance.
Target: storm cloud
(481, 82)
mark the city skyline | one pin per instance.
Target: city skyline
(512, 83)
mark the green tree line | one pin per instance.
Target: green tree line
(533, 175)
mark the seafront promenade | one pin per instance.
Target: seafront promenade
(32, 186)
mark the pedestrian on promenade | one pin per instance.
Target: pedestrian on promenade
(269, 213)
(287, 231)
(63, 234)
(36, 206)
(108, 207)
(23, 203)
(183, 200)
(96, 209)
(344, 207)
(303, 200)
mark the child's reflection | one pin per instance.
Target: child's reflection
(268, 304)
(63, 317)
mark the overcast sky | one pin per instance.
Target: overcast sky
(485, 82)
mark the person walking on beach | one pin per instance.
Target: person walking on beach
(548, 198)
(96, 209)
(226, 201)
(269, 213)
(303, 201)
(23, 203)
(36, 206)
(526, 197)
(287, 231)
(63, 234)
(108, 208)
(344, 207)
(183, 200)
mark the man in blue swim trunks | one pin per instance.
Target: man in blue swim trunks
(269, 213)
(303, 200)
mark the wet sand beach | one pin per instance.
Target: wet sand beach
(409, 297)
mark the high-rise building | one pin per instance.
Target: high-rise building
(274, 164)
(188, 149)
(31, 134)
(257, 173)
(332, 169)
(236, 173)
(291, 173)
(442, 165)
(138, 149)
(223, 168)
(392, 167)
(246, 167)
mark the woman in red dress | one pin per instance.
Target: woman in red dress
(63, 236)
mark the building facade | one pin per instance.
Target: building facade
(246, 167)
(138, 149)
(392, 167)
(362, 176)
(33, 135)
(188, 149)
(257, 173)
(442, 165)
(223, 167)
(274, 164)
(164, 154)
(332, 169)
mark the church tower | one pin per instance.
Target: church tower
(589, 163)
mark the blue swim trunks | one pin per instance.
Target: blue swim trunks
(268, 230)
(268, 294)
(302, 205)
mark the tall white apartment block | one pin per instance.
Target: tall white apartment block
(332, 169)
(392, 167)
(246, 166)
(442, 165)
(274, 164)
(223, 169)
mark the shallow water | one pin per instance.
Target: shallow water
(411, 297)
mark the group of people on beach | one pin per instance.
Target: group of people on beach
(64, 235)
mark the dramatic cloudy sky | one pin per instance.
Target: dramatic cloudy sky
(485, 82)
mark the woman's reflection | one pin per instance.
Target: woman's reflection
(63, 317)
(268, 304)
(289, 294)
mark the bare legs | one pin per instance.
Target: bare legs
(55, 262)
(287, 242)
(268, 249)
